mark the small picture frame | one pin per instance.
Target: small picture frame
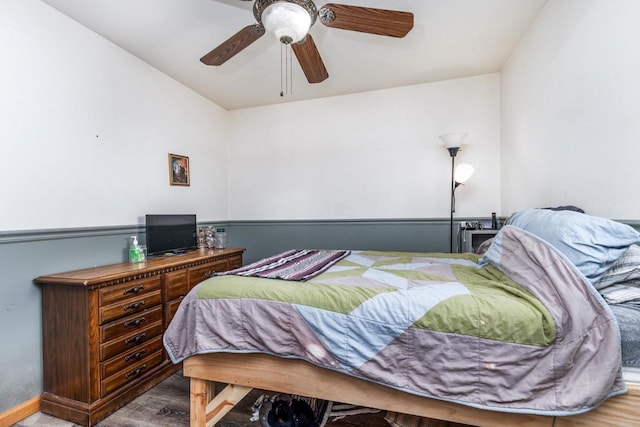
(178, 170)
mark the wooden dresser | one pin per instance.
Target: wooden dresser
(102, 330)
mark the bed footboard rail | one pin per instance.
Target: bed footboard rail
(243, 372)
(294, 376)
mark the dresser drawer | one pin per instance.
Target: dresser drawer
(126, 290)
(234, 262)
(170, 310)
(132, 305)
(125, 325)
(130, 373)
(202, 272)
(129, 358)
(129, 341)
(175, 284)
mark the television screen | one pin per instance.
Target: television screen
(170, 234)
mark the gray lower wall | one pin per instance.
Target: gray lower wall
(264, 238)
(26, 255)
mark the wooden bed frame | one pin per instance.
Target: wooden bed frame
(243, 372)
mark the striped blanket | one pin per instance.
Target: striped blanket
(296, 265)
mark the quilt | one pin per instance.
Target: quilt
(518, 330)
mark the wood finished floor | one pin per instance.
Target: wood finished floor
(167, 405)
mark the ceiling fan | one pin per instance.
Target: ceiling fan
(290, 21)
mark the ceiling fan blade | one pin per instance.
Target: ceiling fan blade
(233, 45)
(310, 60)
(383, 22)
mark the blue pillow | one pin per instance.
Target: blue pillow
(591, 243)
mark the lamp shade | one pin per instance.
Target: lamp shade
(453, 139)
(463, 173)
(289, 22)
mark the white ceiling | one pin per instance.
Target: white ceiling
(450, 39)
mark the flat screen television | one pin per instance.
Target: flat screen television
(170, 234)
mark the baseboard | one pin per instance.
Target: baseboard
(20, 412)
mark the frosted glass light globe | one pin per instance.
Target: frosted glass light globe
(289, 22)
(453, 139)
(463, 172)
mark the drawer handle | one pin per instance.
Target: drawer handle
(137, 339)
(133, 290)
(136, 371)
(135, 322)
(209, 274)
(135, 355)
(134, 306)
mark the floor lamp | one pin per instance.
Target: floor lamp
(453, 142)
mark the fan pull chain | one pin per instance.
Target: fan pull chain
(286, 69)
(290, 69)
(282, 47)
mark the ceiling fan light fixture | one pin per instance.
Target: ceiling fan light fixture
(289, 22)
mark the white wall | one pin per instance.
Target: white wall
(368, 155)
(570, 110)
(86, 129)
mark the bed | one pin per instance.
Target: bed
(518, 335)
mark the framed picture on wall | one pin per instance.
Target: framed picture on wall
(178, 169)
